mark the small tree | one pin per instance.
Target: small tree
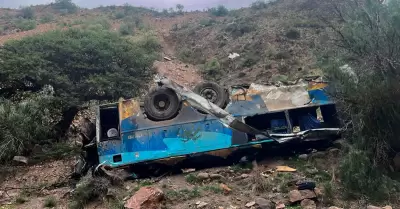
(27, 13)
(80, 65)
(220, 11)
(180, 8)
(65, 6)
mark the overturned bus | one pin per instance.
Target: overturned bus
(174, 123)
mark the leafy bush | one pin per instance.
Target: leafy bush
(23, 124)
(89, 189)
(119, 15)
(80, 65)
(220, 11)
(50, 202)
(47, 18)
(259, 4)
(180, 8)
(293, 34)
(212, 69)
(65, 6)
(367, 91)
(126, 29)
(207, 22)
(27, 13)
(25, 25)
(240, 27)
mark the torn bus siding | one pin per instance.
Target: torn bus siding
(254, 113)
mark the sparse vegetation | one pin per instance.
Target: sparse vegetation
(47, 18)
(50, 202)
(293, 34)
(184, 194)
(259, 4)
(25, 24)
(219, 11)
(65, 6)
(368, 108)
(126, 29)
(27, 13)
(191, 178)
(87, 190)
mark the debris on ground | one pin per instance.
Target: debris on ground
(21, 159)
(250, 204)
(201, 204)
(285, 169)
(188, 170)
(146, 198)
(167, 58)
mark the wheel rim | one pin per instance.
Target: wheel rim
(161, 102)
(210, 94)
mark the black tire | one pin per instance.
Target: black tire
(213, 93)
(161, 104)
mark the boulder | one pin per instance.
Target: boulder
(308, 194)
(21, 159)
(295, 196)
(308, 204)
(203, 176)
(387, 207)
(264, 204)
(303, 156)
(146, 198)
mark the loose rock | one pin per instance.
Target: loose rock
(146, 198)
(21, 159)
(303, 156)
(264, 204)
(216, 176)
(312, 171)
(249, 204)
(201, 204)
(387, 207)
(295, 196)
(308, 194)
(225, 188)
(308, 204)
(280, 206)
(203, 176)
(334, 207)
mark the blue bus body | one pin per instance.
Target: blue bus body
(192, 132)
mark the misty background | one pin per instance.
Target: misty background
(158, 4)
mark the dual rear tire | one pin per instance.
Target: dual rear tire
(162, 103)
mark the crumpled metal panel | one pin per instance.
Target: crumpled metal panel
(281, 98)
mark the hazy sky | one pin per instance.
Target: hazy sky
(160, 4)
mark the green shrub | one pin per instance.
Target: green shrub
(220, 11)
(47, 18)
(212, 69)
(25, 25)
(259, 4)
(62, 61)
(207, 22)
(366, 92)
(240, 27)
(119, 15)
(23, 124)
(88, 190)
(65, 6)
(126, 29)
(50, 202)
(27, 13)
(293, 34)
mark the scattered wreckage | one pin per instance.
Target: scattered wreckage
(174, 123)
